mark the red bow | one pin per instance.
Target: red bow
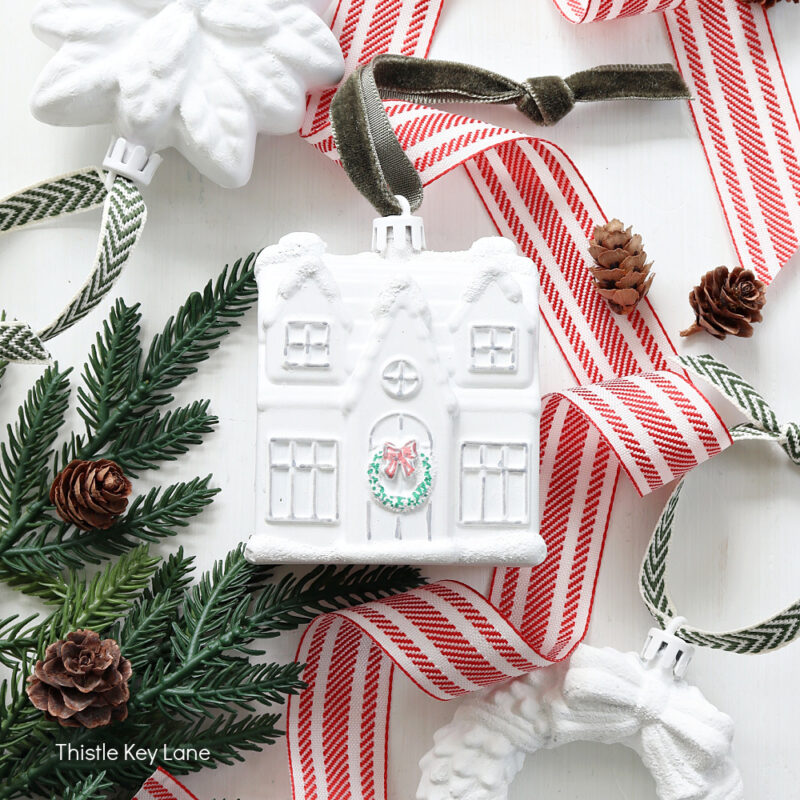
(405, 457)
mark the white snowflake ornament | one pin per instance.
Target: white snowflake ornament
(203, 76)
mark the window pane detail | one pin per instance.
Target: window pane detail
(493, 349)
(401, 379)
(303, 481)
(494, 484)
(308, 345)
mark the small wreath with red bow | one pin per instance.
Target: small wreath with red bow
(393, 463)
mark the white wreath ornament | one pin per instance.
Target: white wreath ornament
(599, 696)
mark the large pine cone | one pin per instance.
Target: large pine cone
(620, 273)
(90, 494)
(727, 303)
(82, 682)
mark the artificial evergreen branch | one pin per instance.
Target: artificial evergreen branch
(17, 638)
(155, 437)
(99, 602)
(156, 515)
(111, 368)
(192, 648)
(120, 401)
(234, 687)
(25, 456)
(89, 789)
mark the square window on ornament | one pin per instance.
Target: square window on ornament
(493, 349)
(307, 345)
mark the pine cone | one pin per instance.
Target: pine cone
(620, 272)
(90, 494)
(82, 682)
(767, 3)
(727, 303)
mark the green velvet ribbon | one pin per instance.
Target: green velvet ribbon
(374, 159)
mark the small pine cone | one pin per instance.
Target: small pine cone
(90, 494)
(727, 303)
(620, 273)
(82, 682)
(767, 3)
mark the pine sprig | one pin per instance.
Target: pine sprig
(221, 597)
(197, 329)
(151, 517)
(120, 402)
(235, 686)
(148, 625)
(193, 674)
(89, 789)
(49, 587)
(154, 437)
(226, 738)
(25, 456)
(112, 366)
(235, 604)
(20, 723)
(99, 602)
(293, 602)
(17, 639)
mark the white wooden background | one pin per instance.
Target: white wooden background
(736, 554)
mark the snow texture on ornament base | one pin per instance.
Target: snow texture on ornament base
(598, 696)
(203, 76)
(398, 405)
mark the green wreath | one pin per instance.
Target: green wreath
(395, 502)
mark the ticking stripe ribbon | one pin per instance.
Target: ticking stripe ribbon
(776, 631)
(124, 216)
(162, 786)
(448, 638)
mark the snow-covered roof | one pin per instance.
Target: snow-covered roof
(402, 293)
(493, 275)
(307, 272)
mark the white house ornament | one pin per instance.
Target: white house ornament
(398, 402)
(600, 695)
(202, 76)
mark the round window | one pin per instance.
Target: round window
(401, 379)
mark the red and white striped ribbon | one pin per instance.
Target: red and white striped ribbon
(743, 112)
(447, 638)
(162, 786)
(747, 123)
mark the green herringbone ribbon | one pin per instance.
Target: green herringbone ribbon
(776, 631)
(124, 216)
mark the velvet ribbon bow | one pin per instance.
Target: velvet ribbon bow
(376, 162)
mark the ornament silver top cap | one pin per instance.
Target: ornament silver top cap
(665, 649)
(402, 234)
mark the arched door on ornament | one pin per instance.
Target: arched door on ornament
(404, 471)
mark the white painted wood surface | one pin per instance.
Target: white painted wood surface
(736, 554)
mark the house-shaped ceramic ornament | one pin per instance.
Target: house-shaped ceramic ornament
(398, 403)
